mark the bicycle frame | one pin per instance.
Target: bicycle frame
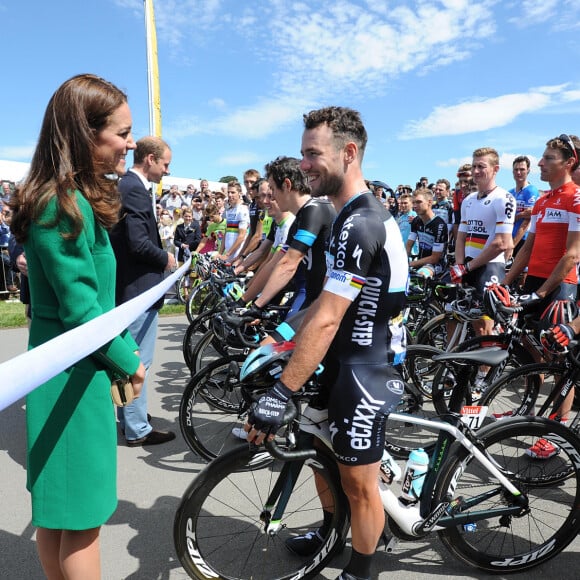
(414, 519)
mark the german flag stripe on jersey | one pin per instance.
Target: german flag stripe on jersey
(477, 242)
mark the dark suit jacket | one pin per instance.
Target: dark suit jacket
(141, 261)
(190, 236)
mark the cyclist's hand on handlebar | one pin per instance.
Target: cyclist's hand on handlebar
(528, 300)
(266, 415)
(254, 312)
(558, 337)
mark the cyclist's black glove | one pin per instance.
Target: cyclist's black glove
(267, 413)
(254, 311)
(529, 300)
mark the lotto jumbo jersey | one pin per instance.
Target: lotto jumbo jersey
(554, 215)
(482, 219)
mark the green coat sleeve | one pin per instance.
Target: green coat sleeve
(73, 280)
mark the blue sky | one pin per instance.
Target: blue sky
(433, 79)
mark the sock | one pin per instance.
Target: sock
(359, 565)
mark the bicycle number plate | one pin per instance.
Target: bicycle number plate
(473, 415)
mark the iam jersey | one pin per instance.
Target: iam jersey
(482, 219)
(309, 235)
(554, 215)
(367, 264)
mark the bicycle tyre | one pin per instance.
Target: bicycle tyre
(219, 526)
(509, 543)
(197, 299)
(443, 379)
(522, 390)
(419, 315)
(211, 405)
(199, 326)
(209, 348)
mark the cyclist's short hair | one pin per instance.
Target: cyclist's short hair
(283, 168)
(522, 159)
(490, 152)
(346, 125)
(565, 146)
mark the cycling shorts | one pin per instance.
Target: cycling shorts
(360, 399)
(492, 272)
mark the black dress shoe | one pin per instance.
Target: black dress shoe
(152, 438)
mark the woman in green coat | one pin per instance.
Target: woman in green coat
(61, 213)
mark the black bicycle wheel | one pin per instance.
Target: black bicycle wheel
(503, 543)
(211, 407)
(444, 379)
(419, 315)
(209, 348)
(521, 391)
(196, 329)
(417, 373)
(223, 527)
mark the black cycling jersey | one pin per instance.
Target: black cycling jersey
(432, 237)
(254, 210)
(309, 235)
(367, 264)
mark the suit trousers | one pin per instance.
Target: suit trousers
(133, 417)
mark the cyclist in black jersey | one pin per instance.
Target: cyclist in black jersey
(302, 259)
(356, 320)
(431, 233)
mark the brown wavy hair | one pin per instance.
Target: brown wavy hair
(64, 158)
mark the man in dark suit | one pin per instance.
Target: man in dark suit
(141, 263)
(187, 235)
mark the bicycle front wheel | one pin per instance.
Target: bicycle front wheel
(211, 407)
(512, 543)
(225, 526)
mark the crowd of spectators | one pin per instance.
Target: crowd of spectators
(195, 219)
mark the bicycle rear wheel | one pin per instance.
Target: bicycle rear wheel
(224, 527)
(521, 391)
(504, 543)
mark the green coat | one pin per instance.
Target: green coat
(71, 429)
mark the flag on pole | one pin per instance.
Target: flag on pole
(153, 82)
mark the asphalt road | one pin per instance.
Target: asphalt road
(137, 542)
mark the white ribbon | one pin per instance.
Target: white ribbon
(22, 374)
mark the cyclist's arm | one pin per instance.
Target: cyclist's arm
(521, 230)
(252, 242)
(499, 244)
(257, 257)
(314, 338)
(563, 267)
(521, 260)
(283, 271)
(239, 241)
(460, 247)
(434, 258)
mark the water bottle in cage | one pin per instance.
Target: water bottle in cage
(417, 466)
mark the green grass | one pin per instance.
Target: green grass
(12, 314)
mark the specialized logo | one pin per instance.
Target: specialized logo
(396, 387)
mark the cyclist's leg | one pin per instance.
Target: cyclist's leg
(359, 403)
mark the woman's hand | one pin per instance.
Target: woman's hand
(138, 379)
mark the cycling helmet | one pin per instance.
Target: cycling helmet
(264, 365)
(558, 312)
(234, 291)
(228, 334)
(496, 299)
